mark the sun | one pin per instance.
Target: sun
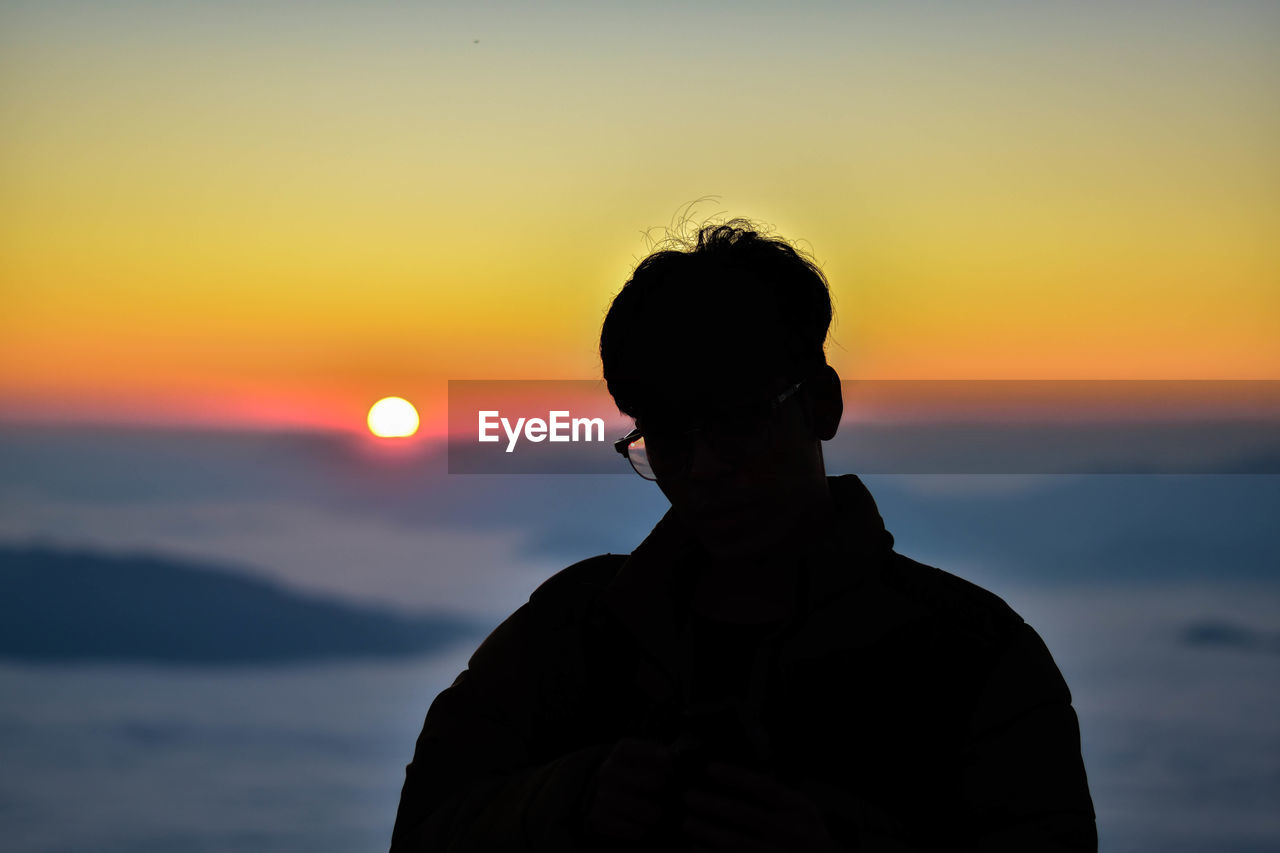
(393, 417)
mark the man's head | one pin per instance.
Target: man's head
(704, 346)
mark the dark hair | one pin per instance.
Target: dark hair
(686, 306)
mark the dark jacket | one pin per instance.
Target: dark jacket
(917, 710)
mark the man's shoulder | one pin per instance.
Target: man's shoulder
(560, 603)
(574, 587)
(946, 599)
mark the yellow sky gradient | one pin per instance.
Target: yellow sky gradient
(248, 214)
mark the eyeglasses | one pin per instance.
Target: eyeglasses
(733, 435)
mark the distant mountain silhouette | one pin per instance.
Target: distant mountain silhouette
(58, 605)
(1230, 635)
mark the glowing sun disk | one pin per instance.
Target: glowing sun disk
(393, 417)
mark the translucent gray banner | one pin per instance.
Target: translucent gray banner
(912, 427)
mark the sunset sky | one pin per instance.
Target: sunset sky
(270, 214)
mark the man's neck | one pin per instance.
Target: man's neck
(764, 587)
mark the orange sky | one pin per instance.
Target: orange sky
(235, 214)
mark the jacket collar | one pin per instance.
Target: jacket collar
(647, 595)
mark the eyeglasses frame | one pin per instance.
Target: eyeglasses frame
(623, 445)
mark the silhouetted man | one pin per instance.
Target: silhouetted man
(763, 672)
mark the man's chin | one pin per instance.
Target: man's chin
(756, 536)
(742, 542)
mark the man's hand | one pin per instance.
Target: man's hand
(630, 791)
(743, 811)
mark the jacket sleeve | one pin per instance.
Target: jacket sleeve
(473, 783)
(1023, 777)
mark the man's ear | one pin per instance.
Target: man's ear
(826, 402)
